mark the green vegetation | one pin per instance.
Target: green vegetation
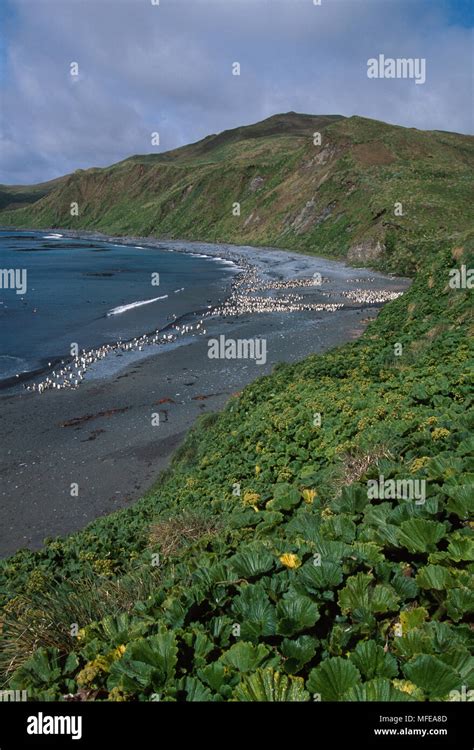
(336, 199)
(258, 569)
(16, 196)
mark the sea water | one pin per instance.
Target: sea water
(91, 292)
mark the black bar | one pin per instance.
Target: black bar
(136, 725)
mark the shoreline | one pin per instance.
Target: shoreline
(48, 363)
(244, 258)
(100, 436)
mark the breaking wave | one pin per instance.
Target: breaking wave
(131, 305)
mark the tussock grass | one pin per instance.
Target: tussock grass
(44, 617)
(356, 463)
(173, 535)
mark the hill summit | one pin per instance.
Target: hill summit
(350, 188)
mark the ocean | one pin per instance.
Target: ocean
(56, 291)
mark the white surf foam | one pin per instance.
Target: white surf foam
(124, 308)
(53, 236)
(10, 366)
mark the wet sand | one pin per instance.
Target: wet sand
(101, 436)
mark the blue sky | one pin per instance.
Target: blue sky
(460, 11)
(168, 68)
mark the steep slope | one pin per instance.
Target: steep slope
(260, 567)
(300, 585)
(372, 192)
(16, 196)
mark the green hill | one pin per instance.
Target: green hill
(336, 199)
(16, 196)
(262, 566)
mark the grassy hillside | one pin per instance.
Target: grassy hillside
(259, 568)
(17, 196)
(336, 199)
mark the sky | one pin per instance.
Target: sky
(167, 68)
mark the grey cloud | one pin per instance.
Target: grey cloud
(168, 68)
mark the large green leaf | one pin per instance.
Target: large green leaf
(174, 612)
(121, 628)
(202, 645)
(333, 678)
(434, 677)
(245, 657)
(420, 535)
(384, 599)
(412, 618)
(466, 447)
(251, 562)
(376, 515)
(266, 685)
(462, 662)
(378, 689)
(388, 533)
(296, 613)
(336, 551)
(328, 549)
(298, 652)
(361, 594)
(214, 675)
(313, 577)
(368, 552)
(371, 660)
(460, 603)
(339, 527)
(461, 500)
(254, 613)
(445, 636)
(195, 690)
(285, 497)
(41, 670)
(205, 578)
(147, 664)
(353, 499)
(443, 467)
(434, 577)
(405, 586)
(412, 644)
(461, 547)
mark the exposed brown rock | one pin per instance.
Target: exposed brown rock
(256, 183)
(366, 250)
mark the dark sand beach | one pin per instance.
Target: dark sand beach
(101, 435)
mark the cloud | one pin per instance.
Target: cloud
(168, 68)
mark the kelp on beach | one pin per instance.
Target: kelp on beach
(258, 568)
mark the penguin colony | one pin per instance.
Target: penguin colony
(243, 299)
